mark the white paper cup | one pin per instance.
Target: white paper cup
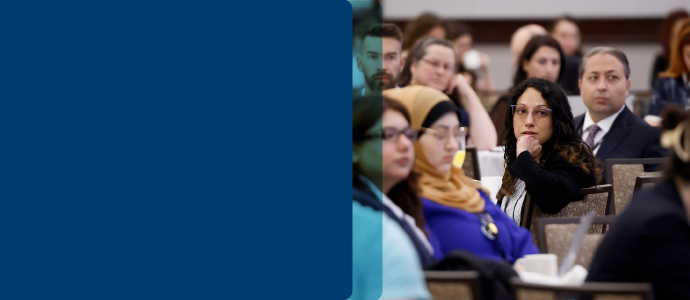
(545, 264)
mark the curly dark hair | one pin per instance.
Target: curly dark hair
(566, 140)
(366, 111)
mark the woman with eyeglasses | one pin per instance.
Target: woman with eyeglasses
(382, 158)
(545, 156)
(431, 62)
(541, 58)
(457, 210)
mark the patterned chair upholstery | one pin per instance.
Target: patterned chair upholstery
(559, 232)
(596, 199)
(591, 290)
(624, 182)
(559, 236)
(622, 172)
(450, 285)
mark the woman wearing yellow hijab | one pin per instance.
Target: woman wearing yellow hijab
(458, 211)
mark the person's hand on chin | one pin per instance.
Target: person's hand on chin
(528, 143)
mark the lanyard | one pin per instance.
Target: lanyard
(490, 230)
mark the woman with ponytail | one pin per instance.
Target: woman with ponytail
(650, 241)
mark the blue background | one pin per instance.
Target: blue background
(176, 150)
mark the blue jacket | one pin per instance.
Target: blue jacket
(668, 90)
(455, 229)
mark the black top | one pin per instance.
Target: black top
(660, 65)
(650, 242)
(568, 80)
(629, 137)
(553, 186)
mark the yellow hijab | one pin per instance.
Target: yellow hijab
(453, 188)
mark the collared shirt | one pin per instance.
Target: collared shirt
(604, 124)
(397, 211)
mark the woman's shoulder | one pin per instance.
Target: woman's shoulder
(668, 82)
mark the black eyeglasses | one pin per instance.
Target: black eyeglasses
(393, 134)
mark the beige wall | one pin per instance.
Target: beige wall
(474, 9)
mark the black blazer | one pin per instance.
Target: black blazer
(553, 186)
(650, 242)
(629, 137)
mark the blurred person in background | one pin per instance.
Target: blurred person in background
(661, 62)
(521, 37)
(382, 158)
(567, 33)
(431, 62)
(609, 128)
(386, 262)
(457, 209)
(544, 154)
(650, 241)
(476, 65)
(673, 86)
(427, 24)
(380, 59)
(541, 58)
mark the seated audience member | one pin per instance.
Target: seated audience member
(427, 24)
(672, 86)
(609, 128)
(431, 62)
(650, 241)
(382, 158)
(380, 59)
(542, 58)
(665, 35)
(566, 32)
(457, 210)
(544, 154)
(520, 38)
(384, 262)
(461, 37)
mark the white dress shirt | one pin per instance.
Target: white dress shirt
(604, 125)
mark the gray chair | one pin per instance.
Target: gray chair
(556, 234)
(621, 173)
(646, 182)
(453, 285)
(590, 290)
(598, 199)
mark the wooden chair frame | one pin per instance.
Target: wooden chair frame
(470, 278)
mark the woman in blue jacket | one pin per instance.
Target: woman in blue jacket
(457, 210)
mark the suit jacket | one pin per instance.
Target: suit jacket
(650, 242)
(629, 137)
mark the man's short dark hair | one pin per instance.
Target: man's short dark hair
(388, 30)
(607, 50)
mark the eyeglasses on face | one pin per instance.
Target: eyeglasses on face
(521, 111)
(443, 134)
(393, 134)
(448, 68)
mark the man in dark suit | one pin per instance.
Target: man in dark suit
(608, 126)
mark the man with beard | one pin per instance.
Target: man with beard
(380, 59)
(609, 128)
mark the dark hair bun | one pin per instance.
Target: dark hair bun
(673, 115)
